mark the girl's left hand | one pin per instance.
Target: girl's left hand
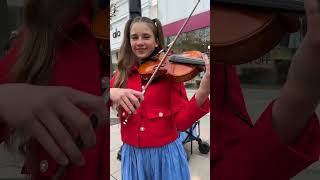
(205, 81)
(312, 8)
(204, 88)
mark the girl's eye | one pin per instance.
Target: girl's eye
(134, 37)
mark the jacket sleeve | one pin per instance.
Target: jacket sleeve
(245, 152)
(260, 154)
(112, 80)
(186, 112)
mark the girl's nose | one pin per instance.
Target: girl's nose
(140, 42)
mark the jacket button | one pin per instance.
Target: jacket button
(44, 166)
(141, 129)
(123, 114)
(160, 114)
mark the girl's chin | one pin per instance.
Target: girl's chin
(142, 56)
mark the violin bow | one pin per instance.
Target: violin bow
(169, 49)
(164, 48)
(165, 56)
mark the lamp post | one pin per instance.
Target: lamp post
(134, 8)
(4, 29)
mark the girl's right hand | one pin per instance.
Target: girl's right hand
(50, 114)
(129, 99)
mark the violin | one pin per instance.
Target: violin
(244, 30)
(180, 68)
(100, 25)
(100, 28)
(150, 70)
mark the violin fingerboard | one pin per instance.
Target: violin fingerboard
(186, 60)
(295, 6)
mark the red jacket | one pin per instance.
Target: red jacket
(78, 66)
(245, 152)
(165, 110)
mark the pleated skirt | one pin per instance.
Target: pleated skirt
(168, 162)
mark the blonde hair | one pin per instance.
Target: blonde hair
(44, 21)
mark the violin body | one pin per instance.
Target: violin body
(180, 68)
(100, 28)
(242, 33)
(146, 69)
(100, 25)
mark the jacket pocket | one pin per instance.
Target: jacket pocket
(160, 121)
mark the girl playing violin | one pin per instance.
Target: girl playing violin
(149, 123)
(56, 47)
(286, 137)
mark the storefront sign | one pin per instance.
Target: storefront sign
(116, 34)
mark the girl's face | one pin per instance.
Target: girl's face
(142, 40)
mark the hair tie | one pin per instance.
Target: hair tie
(155, 22)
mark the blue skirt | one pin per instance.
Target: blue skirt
(167, 162)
